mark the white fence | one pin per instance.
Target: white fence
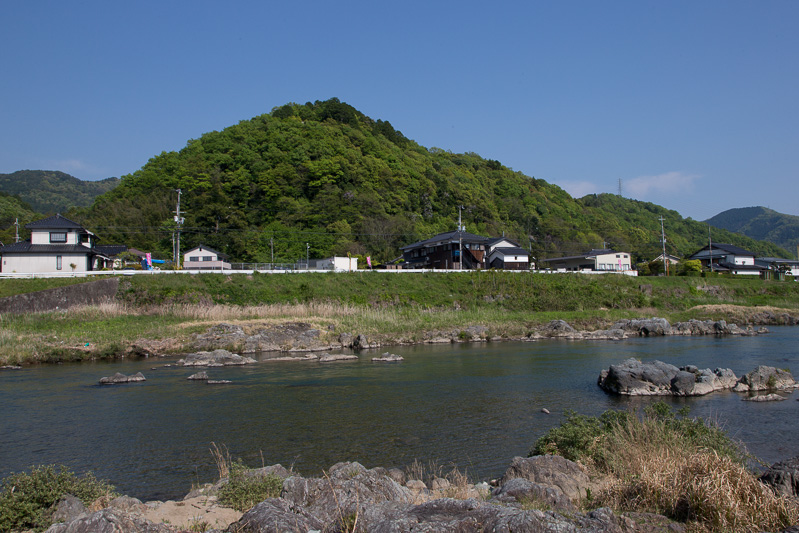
(100, 273)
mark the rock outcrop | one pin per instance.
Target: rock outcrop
(642, 327)
(215, 358)
(350, 497)
(122, 378)
(388, 358)
(656, 378)
(766, 378)
(783, 477)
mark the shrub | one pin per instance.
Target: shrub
(665, 462)
(246, 488)
(26, 498)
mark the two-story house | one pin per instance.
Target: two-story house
(204, 258)
(727, 258)
(444, 252)
(57, 244)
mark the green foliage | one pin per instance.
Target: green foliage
(578, 436)
(246, 488)
(53, 192)
(584, 438)
(26, 497)
(325, 174)
(689, 267)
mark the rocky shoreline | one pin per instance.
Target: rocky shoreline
(294, 337)
(536, 494)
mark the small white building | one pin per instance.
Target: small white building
(57, 245)
(336, 264)
(204, 258)
(603, 260)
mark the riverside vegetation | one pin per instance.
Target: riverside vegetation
(164, 311)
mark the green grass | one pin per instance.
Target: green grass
(394, 307)
(26, 498)
(245, 489)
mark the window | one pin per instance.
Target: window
(208, 258)
(58, 262)
(58, 237)
(194, 258)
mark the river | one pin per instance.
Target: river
(471, 405)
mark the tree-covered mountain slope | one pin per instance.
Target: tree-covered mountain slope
(325, 176)
(12, 210)
(761, 223)
(639, 222)
(50, 191)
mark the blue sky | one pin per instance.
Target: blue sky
(692, 105)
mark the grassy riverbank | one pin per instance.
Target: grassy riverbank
(162, 312)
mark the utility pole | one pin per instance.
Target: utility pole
(16, 236)
(179, 221)
(307, 255)
(460, 239)
(710, 247)
(663, 240)
(272, 247)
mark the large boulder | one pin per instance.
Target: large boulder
(276, 515)
(549, 471)
(656, 378)
(766, 378)
(523, 491)
(122, 378)
(783, 477)
(648, 327)
(215, 358)
(109, 521)
(344, 490)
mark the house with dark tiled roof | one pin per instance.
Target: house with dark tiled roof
(443, 252)
(57, 244)
(729, 258)
(597, 260)
(505, 254)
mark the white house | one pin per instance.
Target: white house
(57, 244)
(603, 260)
(507, 255)
(789, 266)
(727, 258)
(204, 258)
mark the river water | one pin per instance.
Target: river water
(471, 405)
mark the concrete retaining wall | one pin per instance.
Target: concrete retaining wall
(92, 292)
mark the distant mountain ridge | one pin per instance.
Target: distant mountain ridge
(51, 191)
(761, 223)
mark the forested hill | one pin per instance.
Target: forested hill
(49, 191)
(12, 210)
(327, 175)
(761, 223)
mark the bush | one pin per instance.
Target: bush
(26, 498)
(246, 488)
(667, 463)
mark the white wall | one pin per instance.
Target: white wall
(43, 263)
(615, 261)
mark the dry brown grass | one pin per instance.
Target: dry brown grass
(459, 487)
(739, 314)
(711, 492)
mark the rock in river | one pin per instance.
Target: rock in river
(656, 378)
(215, 358)
(388, 358)
(122, 378)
